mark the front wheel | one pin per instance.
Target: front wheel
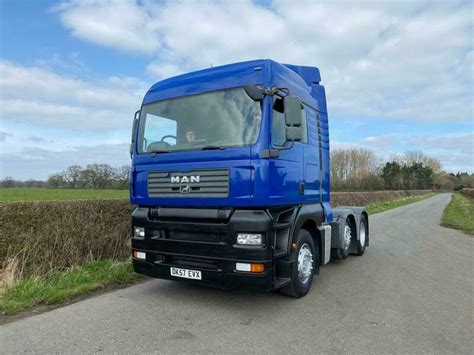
(305, 261)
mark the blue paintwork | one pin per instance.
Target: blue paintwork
(254, 181)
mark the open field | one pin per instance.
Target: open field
(42, 194)
(459, 213)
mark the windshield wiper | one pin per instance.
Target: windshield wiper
(213, 147)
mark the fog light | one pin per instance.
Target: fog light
(242, 267)
(139, 232)
(139, 255)
(249, 239)
(249, 267)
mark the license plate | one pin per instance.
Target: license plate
(186, 273)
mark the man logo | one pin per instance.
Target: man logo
(185, 189)
(185, 179)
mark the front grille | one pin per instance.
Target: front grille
(211, 183)
(190, 236)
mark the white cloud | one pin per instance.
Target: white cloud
(404, 59)
(40, 96)
(463, 143)
(114, 23)
(4, 136)
(379, 142)
(50, 121)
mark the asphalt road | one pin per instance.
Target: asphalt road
(411, 292)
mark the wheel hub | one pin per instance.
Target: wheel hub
(305, 263)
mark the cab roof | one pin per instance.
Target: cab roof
(302, 81)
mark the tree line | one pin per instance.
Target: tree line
(351, 170)
(93, 176)
(362, 170)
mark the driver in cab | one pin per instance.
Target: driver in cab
(190, 136)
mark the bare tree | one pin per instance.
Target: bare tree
(417, 157)
(353, 163)
(56, 180)
(355, 169)
(99, 176)
(8, 182)
(122, 176)
(72, 175)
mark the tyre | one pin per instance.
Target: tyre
(347, 240)
(305, 263)
(363, 236)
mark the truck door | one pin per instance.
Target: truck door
(286, 172)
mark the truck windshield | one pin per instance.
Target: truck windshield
(213, 120)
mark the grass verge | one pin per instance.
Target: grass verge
(60, 286)
(43, 194)
(459, 213)
(385, 206)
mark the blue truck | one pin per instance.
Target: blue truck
(231, 181)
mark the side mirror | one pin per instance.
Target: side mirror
(293, 134)
(292, 107)
(135, 124)
(254, 92)
(134, 131)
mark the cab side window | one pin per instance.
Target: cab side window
(278, 123)
(279, 126)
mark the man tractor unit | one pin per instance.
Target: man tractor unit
(230, 179)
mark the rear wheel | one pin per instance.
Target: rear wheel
(363, 235)
(305, 261)
(347, 237)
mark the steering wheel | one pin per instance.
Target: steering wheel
(168, 136)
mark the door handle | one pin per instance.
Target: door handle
(301, 187)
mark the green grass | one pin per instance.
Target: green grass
(35, 194)
(63, 285)
(459, 213)
(385, 206)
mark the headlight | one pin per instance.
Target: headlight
(139, 232)
(249, 239)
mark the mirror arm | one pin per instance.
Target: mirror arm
(275, 90)
(284, 147)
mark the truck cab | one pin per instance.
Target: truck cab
(230, 179)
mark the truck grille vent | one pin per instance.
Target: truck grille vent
(198, 183)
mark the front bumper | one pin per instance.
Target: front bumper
(212, 278)
(205, 240)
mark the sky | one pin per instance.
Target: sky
(398, 75)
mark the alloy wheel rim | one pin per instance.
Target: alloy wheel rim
(305, 263)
